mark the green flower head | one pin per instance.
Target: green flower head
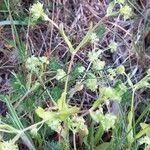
(8, 145)
(98, 65)
(37, 11)
(126, 11)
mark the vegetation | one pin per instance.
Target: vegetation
(75, 79)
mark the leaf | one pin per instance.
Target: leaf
(15, 22)
(52, 146)
(97, 103)
(62, 102)
(100, 30)
(103, 146)
(61, 74)
(85, 39)
(86, 142)
(18, 124)
(92, 56)
(56, 92)
(8, 128)
(146, 127)
(64, 113)
(45, 114)
(66, 39)
(54, 64)
(3, 97)
(98, 134)
(110, 9)
(107, 121)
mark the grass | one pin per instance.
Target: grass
(79, 76)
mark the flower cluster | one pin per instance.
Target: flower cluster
(36, 64)
(8, 145)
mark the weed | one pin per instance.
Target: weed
(39, 104)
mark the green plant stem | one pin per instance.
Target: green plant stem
(53, 23)
(40, 79)
(74, 141)
(130, 119)
(20, 132)
(68, 73)
(86, 72)
(23, 97)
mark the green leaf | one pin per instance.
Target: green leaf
(45, 114)
(110, 8)
(85, 39)
(98, 134)
(66, 39)
(8, 128)
(53, 146)
(146, 127)
(141, 84)
(56, 92)
(103, 146)
(54, 64)
(146, 141)
(63, 114)
(107, 121)
(62, 102)
(97, 103)
(114, 94)
(100, 30)
(15, 22)
(61, 74)
(18, 124)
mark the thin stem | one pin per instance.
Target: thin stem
(40, 78)
(69, 70)
(53, 23)
(74, 141)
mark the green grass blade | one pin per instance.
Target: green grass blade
(26, 139)
(15, 22)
